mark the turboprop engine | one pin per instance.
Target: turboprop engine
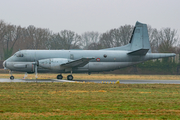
(53, 63)
(21, 66)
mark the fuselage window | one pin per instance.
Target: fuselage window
(105, 55)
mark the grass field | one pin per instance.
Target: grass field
(98, 77)
(89, 101)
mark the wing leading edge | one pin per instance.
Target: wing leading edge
(77, 63)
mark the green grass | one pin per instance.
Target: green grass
(89, 101)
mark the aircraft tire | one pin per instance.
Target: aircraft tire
(70, 77)
(12, 77)
(59, 77)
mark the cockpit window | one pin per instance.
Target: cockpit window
(19, 55)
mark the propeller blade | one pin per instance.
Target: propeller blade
(36, 71)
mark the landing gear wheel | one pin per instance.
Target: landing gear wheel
(59, 77)
(70, 77)
(12, 77)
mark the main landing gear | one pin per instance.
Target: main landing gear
(59, 76)
(69, 77)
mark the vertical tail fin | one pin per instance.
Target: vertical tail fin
(139, 41)
(140, 38)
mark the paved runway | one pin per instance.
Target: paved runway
(34, 80)
(97, 81)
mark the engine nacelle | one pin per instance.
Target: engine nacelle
(21, 66)
(53, 63)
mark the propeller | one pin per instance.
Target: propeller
(36, 64)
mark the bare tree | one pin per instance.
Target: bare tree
(95, 46)
(153, 38)
(106, 39)
(3, 32)
(65, 40)
(36, 38)
(41, 37)
(168, 39)
(89, 38)
(77, 42)
(124, 34)
(116, 37)
(29, 35)
(12, 35)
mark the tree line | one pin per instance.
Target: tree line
(14, 38)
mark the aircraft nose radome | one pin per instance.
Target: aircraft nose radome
(4, 64)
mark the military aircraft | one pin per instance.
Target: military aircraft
(78, 61)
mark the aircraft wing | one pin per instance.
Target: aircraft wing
(77, 63)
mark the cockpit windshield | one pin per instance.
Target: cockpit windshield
(18, 55)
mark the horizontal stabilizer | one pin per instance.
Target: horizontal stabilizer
(77, 63)
(139, 52)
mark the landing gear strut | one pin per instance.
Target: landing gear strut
(25, 75)
(70, 77)
(59, 77)
(11, 77)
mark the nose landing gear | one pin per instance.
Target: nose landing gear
(11, 77)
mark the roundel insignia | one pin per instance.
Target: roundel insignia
(98, 59)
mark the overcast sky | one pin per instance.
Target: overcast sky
(90, 15)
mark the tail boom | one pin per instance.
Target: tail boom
(159, 55)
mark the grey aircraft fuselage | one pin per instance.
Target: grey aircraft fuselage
(104, 60)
